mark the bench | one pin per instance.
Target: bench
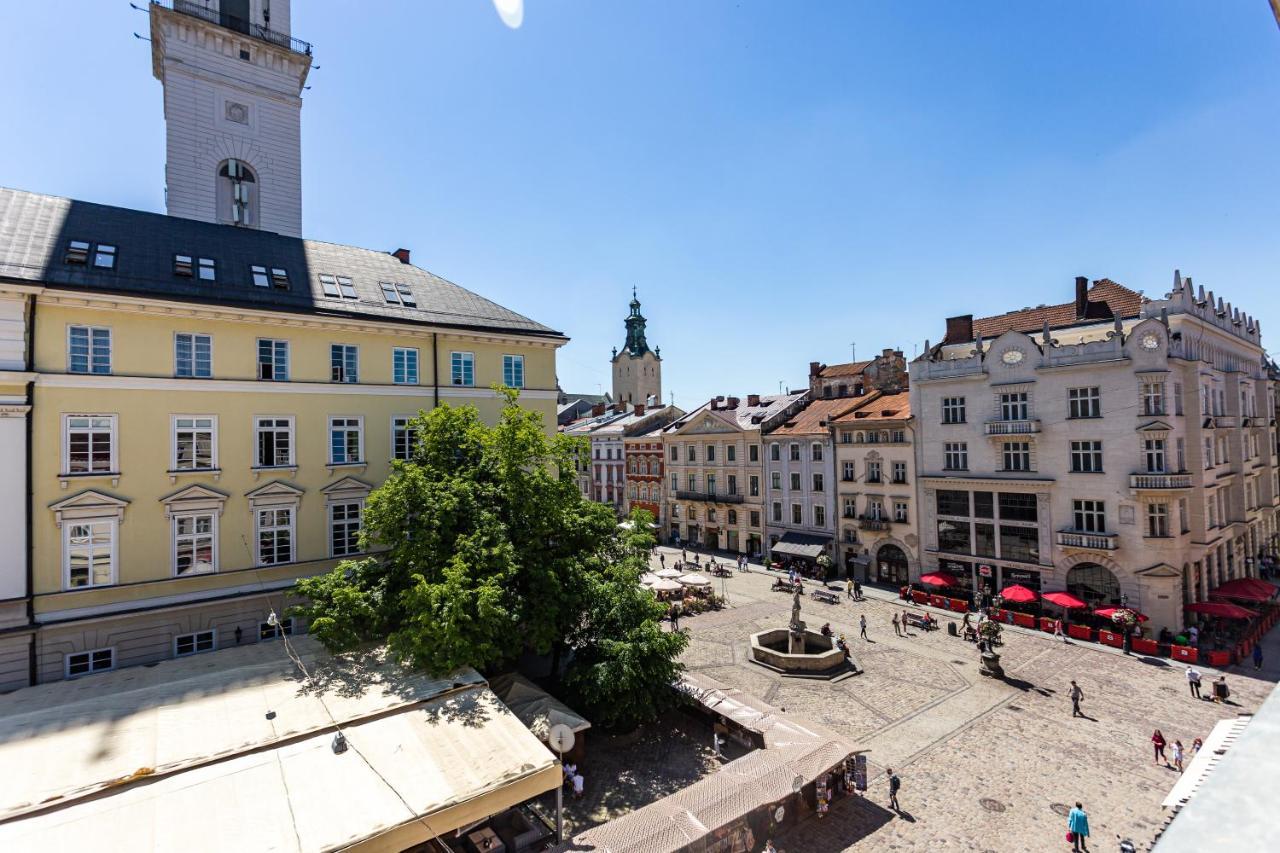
(825, 595)
(920, 620)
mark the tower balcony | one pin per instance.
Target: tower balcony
(214, 16)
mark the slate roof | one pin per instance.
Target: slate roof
(35, 231)
(812, 419)
(742, 417)
(851, 368)
(1107, 299)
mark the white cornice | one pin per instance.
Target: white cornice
(252, 386)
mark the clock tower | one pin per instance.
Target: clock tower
(637, 370)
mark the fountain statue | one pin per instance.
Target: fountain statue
(796, 646)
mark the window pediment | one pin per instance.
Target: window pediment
(1155, 427)
(194, 498)
(347, 488)
(275, 493)
(90, 503)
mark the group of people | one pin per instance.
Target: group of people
(573, 779)
(1220, 690)
(1159, 744)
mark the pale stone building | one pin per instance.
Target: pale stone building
(1119, 447)
(715, 471)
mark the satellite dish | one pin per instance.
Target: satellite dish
(560, 738)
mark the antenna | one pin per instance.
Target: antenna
(853, 351)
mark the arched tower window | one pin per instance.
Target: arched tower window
(237, 194)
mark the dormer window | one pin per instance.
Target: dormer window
(207, 269)
(77, 252)
(338, 287)
(398, 294)
(279, 278)
(104, 258)
(182, 265)
(259, 275)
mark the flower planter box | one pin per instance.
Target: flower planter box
(1111, 638)
(1145, 647)
(1186, 654)
(1046, 624)
(919, 597)
(1080, 632)
(1026, 620)
(1220, 658)
(959, 605)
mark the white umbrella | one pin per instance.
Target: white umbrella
(695, 580)
(669, 573)
(627, 525)
(646, 579)
(665, 585)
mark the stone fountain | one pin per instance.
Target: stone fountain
(795, 650)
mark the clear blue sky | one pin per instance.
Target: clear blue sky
(778, 179)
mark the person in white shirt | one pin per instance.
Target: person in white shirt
(1193, 681)
(577, 786)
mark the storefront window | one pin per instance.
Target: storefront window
(984, 540)
(953, 536)
(1016, 507)
(1022, 577)
(1019, 543)
(953, 503)
(983, 505)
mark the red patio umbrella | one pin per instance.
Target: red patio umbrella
(1064, 599)
(1224, 609)
(1018, 594)
(939, 579)
(1108, 612)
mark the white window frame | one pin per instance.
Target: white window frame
(113, 525)
(332, 523)
(1085, 450)
(1015, 406)
(107, 252)
(359, 427)
(953, 410)
(259, 276)
(195, 636)
(258, 430)
(348, 364)
(66, 444)
(278, 346)
(461, 363)
(213, 442)
(206, 269)
(90, 333)
(1092, 512)
(174, 536)
(268, 632)
(66, 662)
(400, 363)
(957, 451)
(291, 527)
(193, 339)
(509, 364)
(403, 422)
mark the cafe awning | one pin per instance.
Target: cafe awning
(939, 579)
(1224, 609)
(1018, 594)
(806, 545)
(1246, 589)
(1064, 599)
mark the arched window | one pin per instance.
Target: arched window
(633, 491)
(1094, 584)
(237, 194)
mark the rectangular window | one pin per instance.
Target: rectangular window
(398, 294)
(344, 363)
(1177, 398)
(1086, 457)
(953, 536)
(755, 486)
(403, 437)
(88, 349)
(183, 265)
(90, 444)
(191, 644)
(797, 514)
(755, 518)
(818, 484)
(873, 472)
(194, 544)
(1084, 403)
(275, 536)
(337, 287)
(1018, 507)
(952, 502)
(463, 368)
(104, 258)
(279, 278)
(984, 505)
(900, 511)
(775, 453)
(733, 484)
(85, 663)
(815, 452)
(731, 453)
(899, 472)
(1153, 455)
(847, 472)
(693, 455)
(795, 452)
(984, 539)
(675, 453)
(1157, 520)
(1016, 456)
(1153, 398)
(192, 356)
(953, 410)
(693, 482)
(194, 443)
(89, 553)
(1013, 407)
(711, 453)
(513, 371)
(1089, 516)
(404, 366)
(259, 276)
(775, 480)
(777, 511)
(753, 453)
(344, 529)
(955, 456)
(273, 360)
(819, 516)
(1019, 543)
(850, 507)
(345, 441)
(675, 482)
(711, 484)
(77, 252)
(795, 482)
(206, 269)
(274, 439)
(282, 628)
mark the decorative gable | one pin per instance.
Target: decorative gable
(90, 503)
(348, 488)
(275, 493)
(196, 498)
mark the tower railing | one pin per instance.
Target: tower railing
(213, 16)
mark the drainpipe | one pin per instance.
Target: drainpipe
(435, 372)
(30, 555)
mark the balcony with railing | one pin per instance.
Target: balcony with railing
(1023, 427)
(1150, 481)
(1090, 541)
(710, 497)
(239, 25)
(869, 522)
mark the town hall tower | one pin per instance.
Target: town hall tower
(637, 370)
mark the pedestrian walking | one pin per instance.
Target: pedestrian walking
(857, 590)
(1076, 695)
(675, 616)
(848, 587)
(662, 560)
(1158, 743)
(897, 630)
(1193, 681)
(1177, 755)
(862, 625)
(1057, 629)
(1078, 828)
(1196, 745)
(894, 785)
(1257, 656)
(684, 555)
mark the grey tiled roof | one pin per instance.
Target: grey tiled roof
(35, 231)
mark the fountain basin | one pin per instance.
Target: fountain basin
(820, 655)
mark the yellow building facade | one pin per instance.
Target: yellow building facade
(196, 446)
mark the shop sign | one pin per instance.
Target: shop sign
(984, 570)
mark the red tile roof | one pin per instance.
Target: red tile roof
(852, 368)
(809, 420)
(886, 407)
(1104, 294)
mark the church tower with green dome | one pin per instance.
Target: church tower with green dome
(637, 370)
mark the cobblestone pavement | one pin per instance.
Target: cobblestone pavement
(985, 765)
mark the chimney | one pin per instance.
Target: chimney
(959, 329)
(733, 403)
(713, 403)
(753, 400)
(1082, 297)
(402, 255)
(597, 410)
(639, 409)
(619, 408)
(815, 368)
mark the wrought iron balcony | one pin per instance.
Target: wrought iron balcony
(1026, 427)
(239, 25)
(1145, 481)
(1092, 541)
(710, 497)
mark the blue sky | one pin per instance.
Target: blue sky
(777, 179)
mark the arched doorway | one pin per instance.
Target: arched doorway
(891, 565)
(1094, 584)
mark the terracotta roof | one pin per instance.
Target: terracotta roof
(852, 368)
(1107, 299)
(811, 419)
(889, 407)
